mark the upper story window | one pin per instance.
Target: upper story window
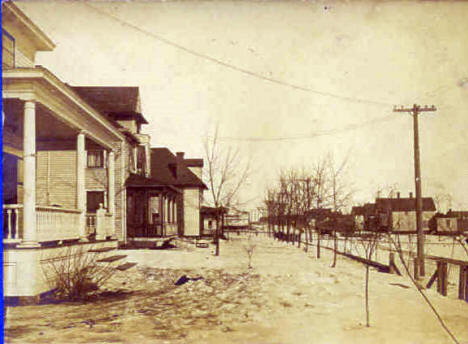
(8, 50)
(141, 159)
(96, 159)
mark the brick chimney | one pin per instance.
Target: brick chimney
(180, 163)
(410, 195)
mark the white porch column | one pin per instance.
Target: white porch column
(80, 182)
(29, 176)
(111, 189)
(111, 185)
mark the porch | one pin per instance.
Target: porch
(47, 133)
(152, 210)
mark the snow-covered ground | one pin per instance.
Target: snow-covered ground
(289, 296)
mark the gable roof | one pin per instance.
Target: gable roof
(164, 169)
(135, 180)
(404, 204)
(117, 102)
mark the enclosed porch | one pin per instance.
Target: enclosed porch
(151, 209)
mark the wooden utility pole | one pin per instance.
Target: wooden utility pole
(414, 111)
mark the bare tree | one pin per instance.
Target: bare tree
(340, 193)
(227, 173)
(369, 244)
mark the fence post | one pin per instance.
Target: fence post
(442, 278)
(391, 262)
(463, 283)
(100, 223)
(416, 269)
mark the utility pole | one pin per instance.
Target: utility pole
(414, 111)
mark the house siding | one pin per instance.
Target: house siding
(191, 201)
(406, 221)
(56, 178)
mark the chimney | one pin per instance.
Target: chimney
(179, 162)
(410, 195)
(398, 194)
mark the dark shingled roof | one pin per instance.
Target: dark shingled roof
(135, 180)
(114, 101)
(404, 204)
(164, 169)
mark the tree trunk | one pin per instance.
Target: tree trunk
(367, 296)
(335, 248)
(318, 244)
(217, 236)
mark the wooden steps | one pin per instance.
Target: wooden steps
(126, 266)
(111, 259)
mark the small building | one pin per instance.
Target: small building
(208, 218)
(443, 224)
(399, 214)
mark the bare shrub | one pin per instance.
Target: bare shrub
(76, 274)
(249, 249)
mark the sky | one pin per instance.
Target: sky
(286, 82)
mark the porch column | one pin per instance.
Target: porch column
(111, 186)
(111, 189)
(80, 182)
(29, 176)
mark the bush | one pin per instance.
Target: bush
(76, 274)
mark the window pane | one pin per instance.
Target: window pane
(93, 199)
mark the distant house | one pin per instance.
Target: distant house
(443, 223)
(462, 219)
(186, 176)
(399, 214)
(208, 218)
(236, 219)
(358, 214)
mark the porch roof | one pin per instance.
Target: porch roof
(41, 85)
(137, 181)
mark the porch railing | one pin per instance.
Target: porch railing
(54, 223)
(12, 216)
(91, 223)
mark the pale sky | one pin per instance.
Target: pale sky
(391, 52)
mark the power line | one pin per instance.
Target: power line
(234, 67)
(350, 127)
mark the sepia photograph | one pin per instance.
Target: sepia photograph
(234, 171)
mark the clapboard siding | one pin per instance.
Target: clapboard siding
(121, 174)
(22, 60)
(191, 211)
(96, 179)
(56, 178)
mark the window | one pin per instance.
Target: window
(131, 159)
(141, 159)
(93, 199)
(96, 159)
(8, 50)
